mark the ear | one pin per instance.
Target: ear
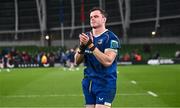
(104, 19)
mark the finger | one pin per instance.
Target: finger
(81, 41)
(87, 37)
(83, 34)
(91, 36)
(82, 37)
(79, 36)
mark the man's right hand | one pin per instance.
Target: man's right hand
(83, 38)
(83, 41)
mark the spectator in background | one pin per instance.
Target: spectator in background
(10, 60)
(38, 57)
(63, 58)
(17, 58)
(4, 53)
(51, 59)
(1, 60)
(138, 57)
(71, 59)
(126, 57)
(44, 59)
(26, 57)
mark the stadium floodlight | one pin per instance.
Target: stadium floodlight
(47, 37)
(153, 33)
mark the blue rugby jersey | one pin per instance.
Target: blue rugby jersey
(94, 69)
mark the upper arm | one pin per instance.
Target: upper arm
(112, 47)
(111, 53)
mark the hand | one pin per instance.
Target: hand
(87, 41)
(83, 38)
(83, 46)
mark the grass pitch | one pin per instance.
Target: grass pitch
(138, 86)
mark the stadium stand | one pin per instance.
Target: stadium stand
(21, 20)
(143, 15)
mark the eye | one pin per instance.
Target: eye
(91, 17)
(96, 16)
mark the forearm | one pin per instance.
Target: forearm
(78, 58)
(104, 58)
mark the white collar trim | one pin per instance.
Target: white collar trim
(101, 33)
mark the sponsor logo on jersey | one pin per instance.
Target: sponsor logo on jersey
(88, 51)
(100, 41)
(114, 44)
(100, 99)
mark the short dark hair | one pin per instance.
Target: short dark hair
(103, 12)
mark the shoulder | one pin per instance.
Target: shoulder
(111, 35)
(113, 39)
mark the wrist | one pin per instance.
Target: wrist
(80, 52)
(82, 49)
(91, 47)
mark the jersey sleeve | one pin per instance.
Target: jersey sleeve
(113, 42)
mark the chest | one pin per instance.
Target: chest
(101, 42)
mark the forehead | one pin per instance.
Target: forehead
(96, 12)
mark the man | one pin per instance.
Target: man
(98, 49)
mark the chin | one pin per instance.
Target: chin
(94, 27)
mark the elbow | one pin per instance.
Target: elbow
(78, 60)
(77, 63)
(107, 64)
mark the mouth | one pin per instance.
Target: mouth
(92, 23)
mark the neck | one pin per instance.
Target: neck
(98, 31)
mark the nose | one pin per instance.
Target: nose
(92, 19)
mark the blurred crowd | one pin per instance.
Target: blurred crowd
(10, 57)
